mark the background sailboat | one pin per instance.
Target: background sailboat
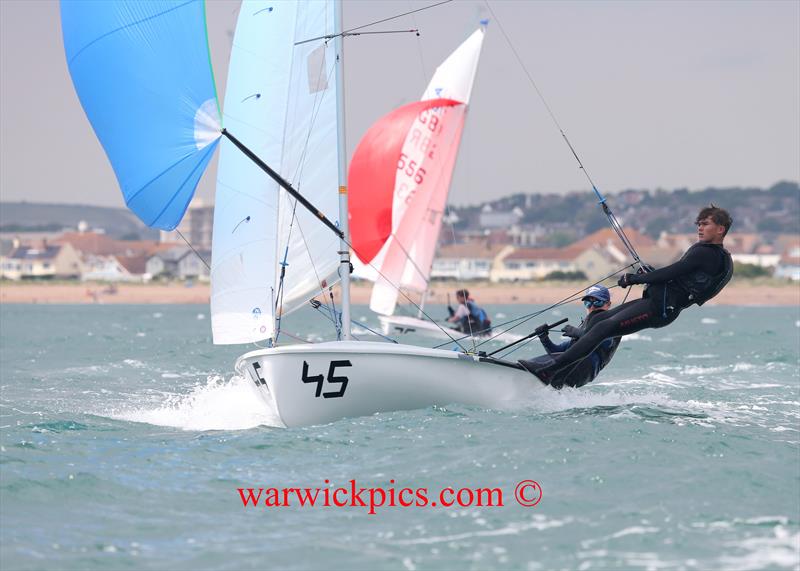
(399, 180)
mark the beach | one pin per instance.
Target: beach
(741, 293)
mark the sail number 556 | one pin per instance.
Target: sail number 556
(410, 168)
(332, 379)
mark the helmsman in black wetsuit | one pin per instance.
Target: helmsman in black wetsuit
(699, 275)
(597, 301)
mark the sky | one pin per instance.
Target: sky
(651, 95)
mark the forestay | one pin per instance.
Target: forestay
(144, 79)
(281, 102)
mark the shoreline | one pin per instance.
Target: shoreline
(756, 293)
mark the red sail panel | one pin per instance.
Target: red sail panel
(371, 179)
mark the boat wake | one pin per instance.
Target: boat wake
(583, 401)
(219, 404)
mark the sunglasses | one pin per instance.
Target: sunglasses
(592, 302)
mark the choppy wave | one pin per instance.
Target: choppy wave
(681, 455)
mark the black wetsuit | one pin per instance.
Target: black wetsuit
(586, 370)
(698, 276)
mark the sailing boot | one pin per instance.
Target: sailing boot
(541, 367)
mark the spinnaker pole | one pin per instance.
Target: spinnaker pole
(344, 240)
(282, 182)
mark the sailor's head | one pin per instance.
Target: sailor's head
(462, 295)
(713, 224)
(596, 297)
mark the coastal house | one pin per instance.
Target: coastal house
(164, 264)
(48, 261)
(598, 255)
(526, 235)
(602, 253)
(788, 266)
(89, 243)
(596, 262)
(114, 268)
(608, 240)
(192, 266)
(524, 264)
(752, 249)
(178, 262)
(99, 244)
(676, 241)
(490, 218)
(468, 261)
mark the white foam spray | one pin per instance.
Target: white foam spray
(217, 405)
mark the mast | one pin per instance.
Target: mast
(344, 249)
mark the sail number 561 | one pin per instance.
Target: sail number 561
(332, 379)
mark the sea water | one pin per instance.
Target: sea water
(125, 437)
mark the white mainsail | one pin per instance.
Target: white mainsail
(280, 102)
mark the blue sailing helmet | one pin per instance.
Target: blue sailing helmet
(598, 292)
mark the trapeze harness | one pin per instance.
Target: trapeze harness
(586, 370)
(698, 276)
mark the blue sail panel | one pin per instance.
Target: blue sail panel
(143, 75)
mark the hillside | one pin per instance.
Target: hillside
(567, 217)
(563, 217)
(35, 217)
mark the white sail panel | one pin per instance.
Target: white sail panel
(432, 144)
(309, 160)
(454, 78)
(244, 245)
(413, 239)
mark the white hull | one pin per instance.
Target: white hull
(322, 382)
(402, 324)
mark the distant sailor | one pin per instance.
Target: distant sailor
(470, 317)
(698, 276)
(597, 301)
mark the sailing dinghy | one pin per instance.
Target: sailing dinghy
(143, 76)
(399, 180)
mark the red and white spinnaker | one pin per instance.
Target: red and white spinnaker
(400, 176)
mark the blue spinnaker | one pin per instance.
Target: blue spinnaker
(143, 75)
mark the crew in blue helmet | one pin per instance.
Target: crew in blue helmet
(596, 300)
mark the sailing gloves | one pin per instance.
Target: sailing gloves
(542, 329)
(571, 331)
(632, 279)
(627, 280)
(451, 311)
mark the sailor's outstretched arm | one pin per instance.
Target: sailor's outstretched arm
(700, 257)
